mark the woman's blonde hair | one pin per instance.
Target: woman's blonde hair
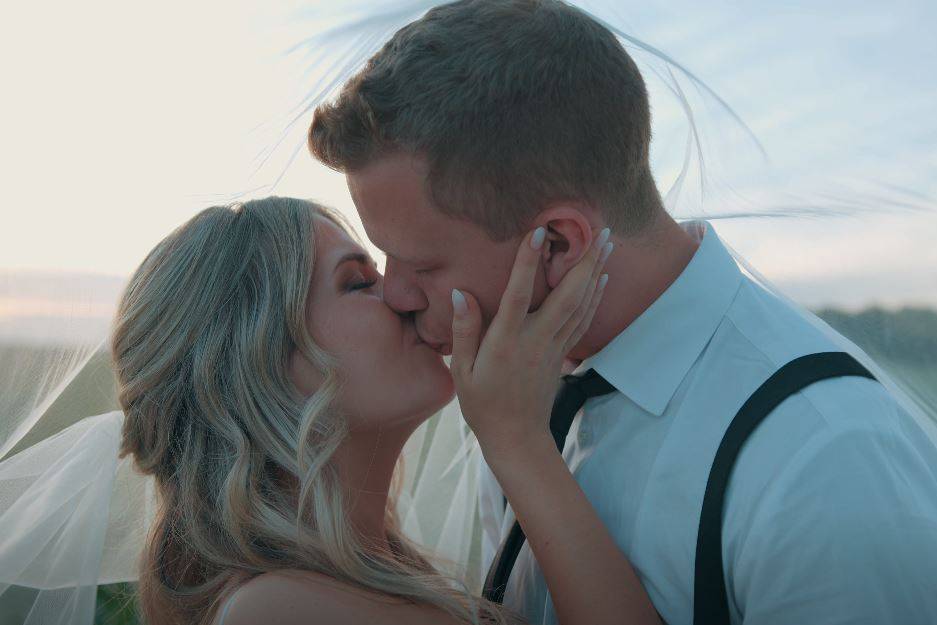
(202, 343)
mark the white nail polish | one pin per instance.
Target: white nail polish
(603, 280)
(459, 306)
(536, 241)
(602, 238)
(606, 251)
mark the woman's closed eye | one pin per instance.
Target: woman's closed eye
(360, 284)
(359, 273)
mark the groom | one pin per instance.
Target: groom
(488, 118)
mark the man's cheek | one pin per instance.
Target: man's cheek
(440, 303)
(489, 302)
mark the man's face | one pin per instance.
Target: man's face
(428, 253)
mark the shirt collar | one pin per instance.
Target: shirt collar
(650, 358)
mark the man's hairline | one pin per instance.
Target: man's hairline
(421, 159)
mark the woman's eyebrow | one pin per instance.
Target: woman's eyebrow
(355, 256)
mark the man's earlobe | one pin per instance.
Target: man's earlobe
(562, 250)
(569, 234)
(555, 260)
(556, 242)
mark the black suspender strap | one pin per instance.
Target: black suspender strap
(710, 598)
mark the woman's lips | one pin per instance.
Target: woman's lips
(444, 349)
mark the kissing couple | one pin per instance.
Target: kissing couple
(665, 439)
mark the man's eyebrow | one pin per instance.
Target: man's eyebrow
(391, 256)
(364, 259)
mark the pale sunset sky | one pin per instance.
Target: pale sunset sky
(122, 119)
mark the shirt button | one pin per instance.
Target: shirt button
(584, 437)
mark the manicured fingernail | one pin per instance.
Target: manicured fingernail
(606, 251)
(459, 306)
(602, 281)
(603, 237)
(536, 241)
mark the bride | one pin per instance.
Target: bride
(269, 390)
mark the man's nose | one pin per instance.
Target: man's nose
(401, 291)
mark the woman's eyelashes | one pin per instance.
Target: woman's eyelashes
(361, 280)
(360, 283)
(361, 286)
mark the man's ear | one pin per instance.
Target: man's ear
(569, 236)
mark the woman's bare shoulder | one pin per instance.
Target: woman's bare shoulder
(292, 597)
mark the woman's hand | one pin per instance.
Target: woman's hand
(507, 381)
(506, 386)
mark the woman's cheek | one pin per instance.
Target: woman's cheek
(379, 333)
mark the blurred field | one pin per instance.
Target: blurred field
(904, 342)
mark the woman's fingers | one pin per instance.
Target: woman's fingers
(588, 298)
(586, 320)
(515, 301)
(466, 330)
(573, 292)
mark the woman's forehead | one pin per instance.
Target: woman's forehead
(332, 243)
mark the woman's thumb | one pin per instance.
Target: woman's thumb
(466, 325)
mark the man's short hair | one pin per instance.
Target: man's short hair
(513, 104)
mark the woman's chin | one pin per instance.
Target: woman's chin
(429, 386)
(440, 397)
(440, 390)
(445, 387)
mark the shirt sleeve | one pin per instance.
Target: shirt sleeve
(845, 534)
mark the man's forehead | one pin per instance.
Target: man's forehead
(394, 180)
(398, 220)
(402, 240)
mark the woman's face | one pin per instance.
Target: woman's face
(391, 377)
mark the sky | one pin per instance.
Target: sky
(122, 119)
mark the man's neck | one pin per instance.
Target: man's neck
(639, 270)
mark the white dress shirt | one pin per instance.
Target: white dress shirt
(831, 512)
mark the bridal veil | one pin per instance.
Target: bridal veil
(73, 516)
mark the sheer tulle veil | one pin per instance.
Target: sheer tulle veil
(73, 516)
